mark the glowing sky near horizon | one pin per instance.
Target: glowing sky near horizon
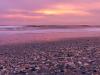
(49, 12)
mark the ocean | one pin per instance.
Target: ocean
(20, 34)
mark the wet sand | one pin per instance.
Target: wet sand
(80, 56)
(41, 37)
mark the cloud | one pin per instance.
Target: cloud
(62, 9)
(20, 17)
(50, 11)
(62, 12)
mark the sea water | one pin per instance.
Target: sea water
(17, 34)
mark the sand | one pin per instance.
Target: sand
(79, 56)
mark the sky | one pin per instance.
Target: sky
(49, 12)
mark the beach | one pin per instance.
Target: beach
(49, 37)
(24, 34)
(76, 56)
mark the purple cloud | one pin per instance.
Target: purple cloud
(69, 11)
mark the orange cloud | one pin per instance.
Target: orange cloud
(61, 12)
(62, 9)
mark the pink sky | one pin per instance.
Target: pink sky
(49, 12)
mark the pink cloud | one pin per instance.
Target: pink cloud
(19, 16)
(50, 11)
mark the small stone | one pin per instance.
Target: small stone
(86, 64)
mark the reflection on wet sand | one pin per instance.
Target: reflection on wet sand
(36, 37)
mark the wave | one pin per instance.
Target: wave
(30, 29)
